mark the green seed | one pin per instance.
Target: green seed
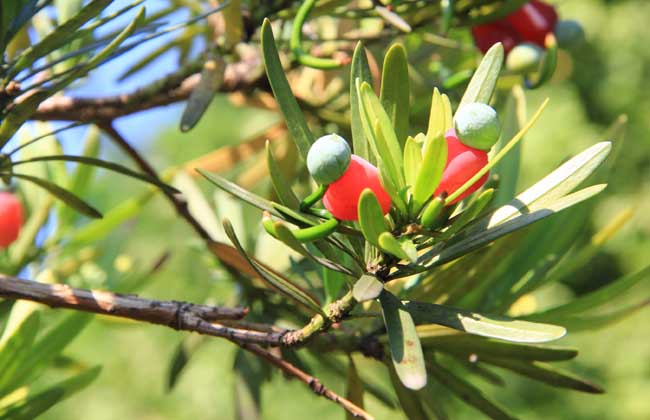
(477, 125)
(328, 158)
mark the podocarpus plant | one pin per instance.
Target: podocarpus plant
(425, 273)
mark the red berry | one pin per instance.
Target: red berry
(11, 218)
(463, 162)
(533, 21)
(342, 196)
(489, 34)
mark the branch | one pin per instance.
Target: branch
(178, 315)
(309, 380)
(243, 75)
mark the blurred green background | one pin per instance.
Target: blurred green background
(608, 78)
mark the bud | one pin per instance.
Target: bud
(11, 218)
(477, 125)
(328, 158)
(342, 196)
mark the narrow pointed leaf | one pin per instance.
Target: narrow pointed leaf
(282, 91)
(595, 299)
(275, 280)
(388, 243)
(359, 71)
(395, 90)
(412, 160)
(481, 86)
(354, 387)
(494, 326)
(180, 359)
(333, 282)
(202, 95)
(371, 217)
(14, 347)
(437, 116)
(249, 377)
(545, 373)
(477, 239)
(430, 174)
(470, 213)
(281, 185)
(380, 133)
(404, 343)
(64, 195)
(368, 287)
(111, 166)
(466, 344)
(468, 392)
(393, 18)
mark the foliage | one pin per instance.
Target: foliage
(434, 291)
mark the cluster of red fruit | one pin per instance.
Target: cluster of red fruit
(11, 218)
(530, 23)
(341, 198)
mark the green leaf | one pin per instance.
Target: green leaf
(371, 217)
(600, 320)
(50, 345)
(508, 169)
(549, 63)
(545, 373)
(468, 392)
(494, 326)
(393, 18)
(202, 95)
(440, 118)
(14, 348)
(380, 133)
(239, 192)
(555, 185)
(388, 243)
(333, 282)
(181, 357)
(354, 387)
(412, 160)
(282, 91)
(57, 38)
(111, 166)
(430, 174)
(477, 239)
(249, 377)
(368, 287)
(284, 234)
(281, 185)
(99, 229)
(405, 348)
(66, 196)
(275, 280)
(466, 345)
(361, 71)
(470, 213)
(32, 405)
(483, 83)
(409, 400)
(395, 91)
(595, 299)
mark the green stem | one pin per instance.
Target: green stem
(295, 42)
(313, 198)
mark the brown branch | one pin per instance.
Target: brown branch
(162, 312)
(309, 380)
(241, 76)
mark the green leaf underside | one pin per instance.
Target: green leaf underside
(493, 326)
(368, 287)
(405, 348)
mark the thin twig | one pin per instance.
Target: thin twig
(309, 380)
